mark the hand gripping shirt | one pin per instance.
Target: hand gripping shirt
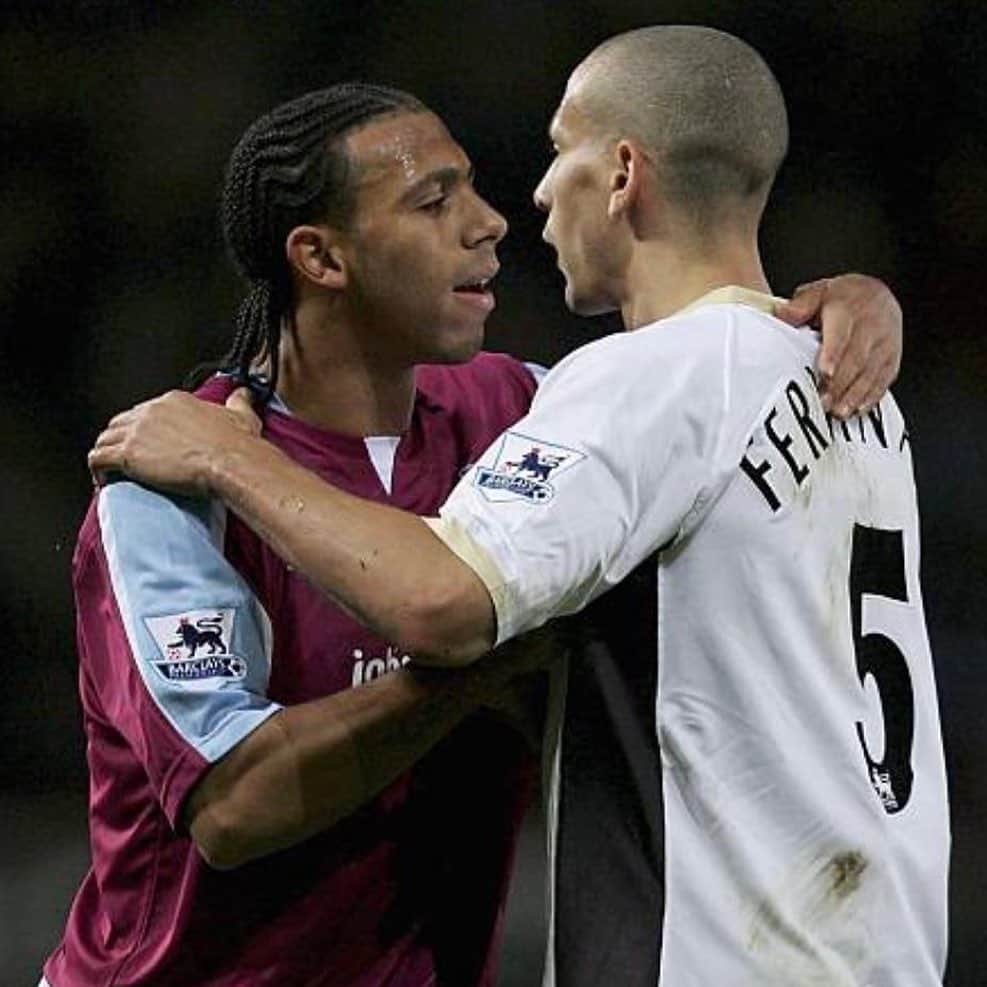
(748, 780)
(191, 634)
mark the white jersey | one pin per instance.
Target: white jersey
(798, 810)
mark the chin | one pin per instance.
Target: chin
(586, 304)
(455, 348)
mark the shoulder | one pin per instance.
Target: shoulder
(139, 517)
(715, 349)
(747, 341)
(216, 389)
(138, 522)
(490, 383)
(138, 544)
(499, 370)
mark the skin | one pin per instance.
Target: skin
(856, 363)
(621, 244)
(350, 364)
(612, 230)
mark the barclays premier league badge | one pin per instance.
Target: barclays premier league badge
(194, 646)
(524, 468)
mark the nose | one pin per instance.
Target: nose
(488, 224)
(541, 195)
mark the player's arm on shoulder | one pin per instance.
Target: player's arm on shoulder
(382, 565)
(862, 338)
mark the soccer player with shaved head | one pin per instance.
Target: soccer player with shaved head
(258, 811)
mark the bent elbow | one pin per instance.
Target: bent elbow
(222, 845)
(447, 631)
(431, 648)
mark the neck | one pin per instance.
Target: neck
(328, 379)
(662, 278)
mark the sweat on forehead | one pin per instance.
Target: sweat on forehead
(402, 139)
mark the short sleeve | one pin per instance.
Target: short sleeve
(175, 645)
(615, 459)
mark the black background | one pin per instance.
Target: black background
(115, 123)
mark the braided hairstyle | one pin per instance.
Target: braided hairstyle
(289, 168)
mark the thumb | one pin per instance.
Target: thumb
(804, 305)
(241, 404)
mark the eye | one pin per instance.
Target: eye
(435, 205)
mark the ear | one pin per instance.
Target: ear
(315, 253)
(626, 179)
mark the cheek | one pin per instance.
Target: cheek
(401, 276)
(577, 205)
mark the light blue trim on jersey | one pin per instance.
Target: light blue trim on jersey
(165, 560)
(537, 371)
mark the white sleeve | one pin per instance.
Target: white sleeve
(615, 458)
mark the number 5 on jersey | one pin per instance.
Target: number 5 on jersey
(877, 568)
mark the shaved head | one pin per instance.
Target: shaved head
(705, 107)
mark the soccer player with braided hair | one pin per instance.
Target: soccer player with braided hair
(282, 173)
(261, 810)
(274, 797)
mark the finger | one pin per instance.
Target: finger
(893, 367)
(876, 360)
(240, 394)
(100, 478)
(845, 402)
(124, 417)
(855, 397)
(838, 389)
(804, 305)
(851, 348)
(106, 459)
(110, 436)
(835, 359)
(881, 380)
(240, 402)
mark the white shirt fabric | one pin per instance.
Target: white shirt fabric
(805, 806)
(382, 450)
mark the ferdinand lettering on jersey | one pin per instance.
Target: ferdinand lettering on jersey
(795, 434)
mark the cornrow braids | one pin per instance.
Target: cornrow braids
(289, 168)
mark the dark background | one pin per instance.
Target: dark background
(115, 123)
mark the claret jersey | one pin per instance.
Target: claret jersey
(749, 787)
(191, 634)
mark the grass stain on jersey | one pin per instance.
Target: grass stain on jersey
(845, 872)
(810, 932)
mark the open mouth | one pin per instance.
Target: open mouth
(473, 287)
(476, 294)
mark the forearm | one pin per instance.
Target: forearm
(313, 764)
(382, 565)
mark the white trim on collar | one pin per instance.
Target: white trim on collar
(734, 294)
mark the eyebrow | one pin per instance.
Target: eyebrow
(445, 178)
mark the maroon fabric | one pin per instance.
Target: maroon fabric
(407, 892)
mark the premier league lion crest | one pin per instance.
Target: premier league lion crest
(194, 646)
(524, 467)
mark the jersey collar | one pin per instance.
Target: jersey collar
(734, 294)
